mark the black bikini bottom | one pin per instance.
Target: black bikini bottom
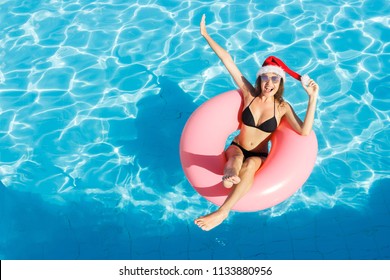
(248, 154)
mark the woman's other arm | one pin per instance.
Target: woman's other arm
(305, 127)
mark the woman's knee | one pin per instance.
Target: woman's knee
(237, 157)
(251, 164)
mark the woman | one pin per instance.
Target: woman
(264, 108)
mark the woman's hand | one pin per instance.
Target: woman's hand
(312, 88)
(203, 30)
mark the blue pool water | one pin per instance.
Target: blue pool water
(94, 96)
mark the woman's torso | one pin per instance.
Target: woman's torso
(260, 119)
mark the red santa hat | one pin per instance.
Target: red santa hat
(275, 65)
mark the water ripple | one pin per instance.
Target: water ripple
(94, 95)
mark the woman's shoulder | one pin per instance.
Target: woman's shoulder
(283, 106)
(246, 87)
(248, 92)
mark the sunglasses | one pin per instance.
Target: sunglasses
(274, 79)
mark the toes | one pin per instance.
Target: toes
(235, 179)
(226, 177)
(199, 222)
(227, 184)
(202, 226)
(231, 179)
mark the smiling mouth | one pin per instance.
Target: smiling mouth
(269, 89)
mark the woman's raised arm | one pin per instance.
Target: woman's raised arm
(305, 127)
(226, 59)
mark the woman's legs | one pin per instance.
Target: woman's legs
(247, 173)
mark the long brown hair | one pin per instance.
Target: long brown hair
(278, 94)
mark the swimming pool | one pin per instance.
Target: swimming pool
(93, 99)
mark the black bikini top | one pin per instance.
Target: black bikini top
(269, 125)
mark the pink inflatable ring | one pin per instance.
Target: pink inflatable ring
(289, 163)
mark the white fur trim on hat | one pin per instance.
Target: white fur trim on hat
(272, 69)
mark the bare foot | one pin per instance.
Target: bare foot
(230, 179)
(211, 220)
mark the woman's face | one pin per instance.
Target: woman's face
(270, 83)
